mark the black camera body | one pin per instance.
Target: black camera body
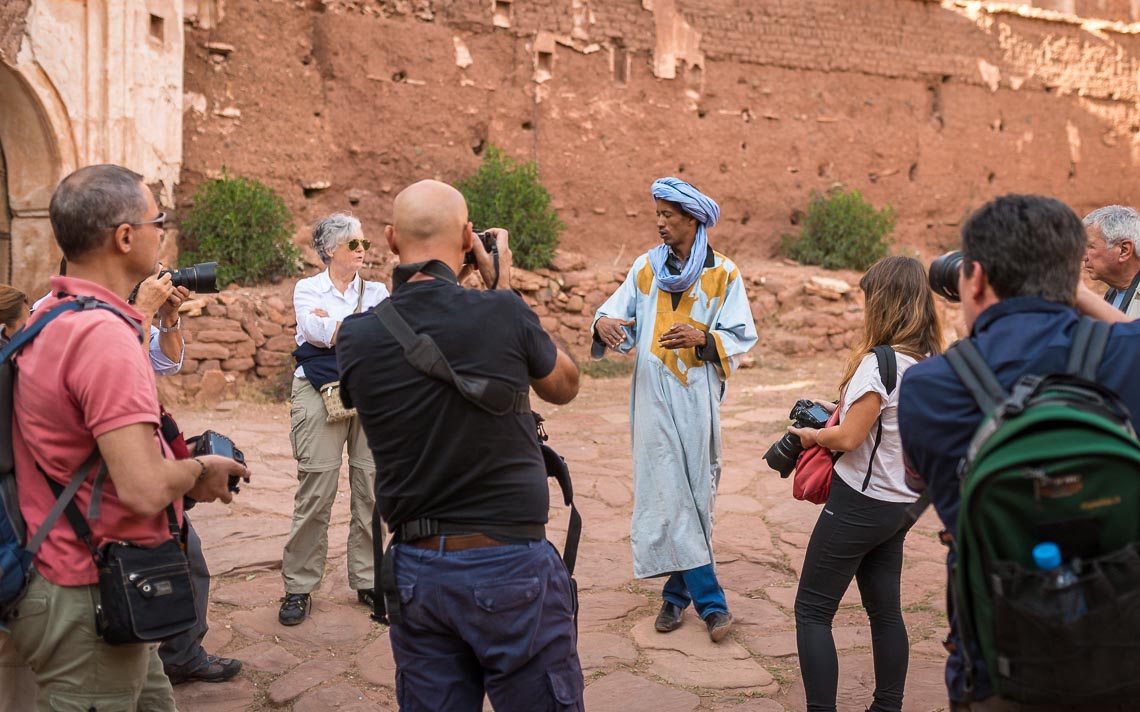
(201, 278)
(212, 443)
(489, 244)
(783, 454)
(943, 275)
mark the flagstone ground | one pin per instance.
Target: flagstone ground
(339, 660)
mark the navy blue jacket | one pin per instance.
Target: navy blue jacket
(938, 417)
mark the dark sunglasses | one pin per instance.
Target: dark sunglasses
(353, 244)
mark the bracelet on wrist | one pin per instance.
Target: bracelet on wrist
(167, 329)
(201, 471)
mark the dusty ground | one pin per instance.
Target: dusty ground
(339, 659)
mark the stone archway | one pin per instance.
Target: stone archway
(36, 155)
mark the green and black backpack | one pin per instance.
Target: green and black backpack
(1057, 460)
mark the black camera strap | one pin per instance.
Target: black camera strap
(64, 504)
(77, 521)
(493, 395)
(1129, 294)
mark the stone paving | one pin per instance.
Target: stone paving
(339, 660)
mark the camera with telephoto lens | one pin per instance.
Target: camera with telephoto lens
(489, 244)
(212, 443)
(201, 278)
(783, 454)
(944, 275)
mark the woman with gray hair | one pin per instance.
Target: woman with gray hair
(320, 427)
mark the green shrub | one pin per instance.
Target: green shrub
(505, 194)
(840, 230)
(245, 227)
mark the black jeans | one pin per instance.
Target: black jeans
(862, 538)
(184, 652)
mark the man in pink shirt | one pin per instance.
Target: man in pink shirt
(85, 388)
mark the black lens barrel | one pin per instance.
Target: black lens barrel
(201, 278)
(944, 275)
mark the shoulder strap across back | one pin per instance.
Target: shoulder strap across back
(1088, 347)
(889, 374)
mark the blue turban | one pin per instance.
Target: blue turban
(701, 207)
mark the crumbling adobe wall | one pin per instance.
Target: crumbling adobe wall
(13, 16)
(932, 107)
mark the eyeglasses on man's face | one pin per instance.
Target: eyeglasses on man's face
(354, 243)
(160, 221)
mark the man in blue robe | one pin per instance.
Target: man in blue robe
(683, 306)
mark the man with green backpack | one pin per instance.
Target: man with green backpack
(1022, 435)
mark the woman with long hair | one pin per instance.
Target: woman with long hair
(861, 529)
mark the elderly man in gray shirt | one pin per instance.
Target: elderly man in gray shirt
(1110, 255)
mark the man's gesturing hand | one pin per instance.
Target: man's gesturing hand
(683, 336)
(611, 331)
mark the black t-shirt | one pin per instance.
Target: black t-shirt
(437, 455)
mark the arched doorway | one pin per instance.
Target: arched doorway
(36, 151)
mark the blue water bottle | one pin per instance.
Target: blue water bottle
(1063, 582)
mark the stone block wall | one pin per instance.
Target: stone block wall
(242, 339)
(235, 338)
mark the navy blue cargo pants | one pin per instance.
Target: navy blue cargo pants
(498, 620)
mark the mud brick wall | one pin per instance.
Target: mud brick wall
(931, 107)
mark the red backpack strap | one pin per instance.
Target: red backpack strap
(172, 434)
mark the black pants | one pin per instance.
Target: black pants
(184, 652)
(862, 538)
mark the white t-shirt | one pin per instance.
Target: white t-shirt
(888, 480)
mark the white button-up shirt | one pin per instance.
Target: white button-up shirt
(318, 292)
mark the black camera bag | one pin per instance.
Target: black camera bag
(146, 593)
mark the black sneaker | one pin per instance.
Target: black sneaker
(215, 669)
(294, 608)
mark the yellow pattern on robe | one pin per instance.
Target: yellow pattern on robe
(710, 287)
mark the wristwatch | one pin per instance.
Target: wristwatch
(167, 329)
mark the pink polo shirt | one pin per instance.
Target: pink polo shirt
(84, 375)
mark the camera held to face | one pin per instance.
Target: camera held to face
(783, 454)
(944, 275)
(212, 443)
(201, 278)
(489, 244)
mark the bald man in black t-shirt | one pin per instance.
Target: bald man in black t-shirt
(485, 605)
